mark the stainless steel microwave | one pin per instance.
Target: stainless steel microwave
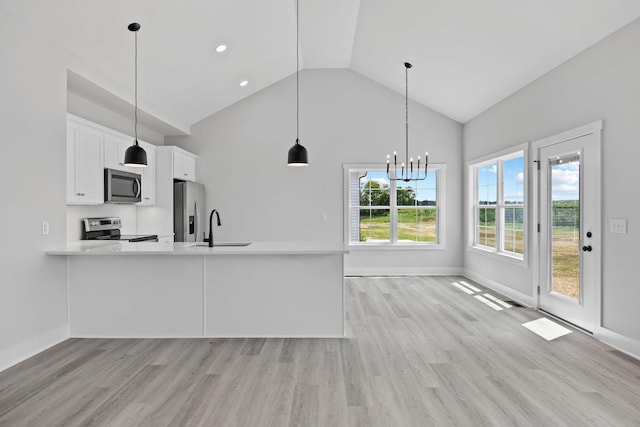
(122, 187)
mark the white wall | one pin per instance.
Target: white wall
(33, 301)
(603, 82)
(344, 118)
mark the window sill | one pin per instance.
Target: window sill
(501, 256)
(396, 247)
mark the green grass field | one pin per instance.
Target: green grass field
(415, 225)
(565, 261)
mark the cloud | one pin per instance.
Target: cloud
(520, 178)
(566, 181)
(379, 180)
(565, 176)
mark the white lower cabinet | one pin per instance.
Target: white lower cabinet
(85, 176)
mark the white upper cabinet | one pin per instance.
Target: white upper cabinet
(148, 176)
(90, 149)
(115, 147)
(184, 165)
(85, 176)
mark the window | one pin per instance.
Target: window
(499, 204)
(385, 212)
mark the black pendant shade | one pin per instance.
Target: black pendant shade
(298, 155)
(135, 156)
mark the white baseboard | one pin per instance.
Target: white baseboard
(619, 342)
(519, 297)
(402, 271)
(25, 349)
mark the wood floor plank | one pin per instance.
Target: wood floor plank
(418, 352)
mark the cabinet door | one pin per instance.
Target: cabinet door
(184, 166)
(148, 176)
(72, 137)
(85, 176)
(114, 149)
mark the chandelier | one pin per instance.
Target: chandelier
(406, 169)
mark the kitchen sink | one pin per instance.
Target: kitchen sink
(205, 244)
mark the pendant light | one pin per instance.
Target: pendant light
(297, 153)
(135, 155)
(406, 172)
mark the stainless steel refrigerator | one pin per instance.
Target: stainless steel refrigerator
(189, 215)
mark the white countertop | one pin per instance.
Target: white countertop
(183, 248)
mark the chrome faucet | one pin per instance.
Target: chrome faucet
(210, 239)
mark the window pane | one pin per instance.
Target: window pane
(375, 225)
(417, 193)
(513, 181)
(374, 189)
(486, 227)
(417, 225)
(487, 184)
(513, 235)
(426, 197)
(406, 194)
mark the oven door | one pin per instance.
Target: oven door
(122, 187)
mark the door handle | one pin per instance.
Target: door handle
(136, 187)
(587, 248)
(195, 214)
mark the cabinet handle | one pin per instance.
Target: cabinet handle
(185, 174)
(80, 194)
(147, 198)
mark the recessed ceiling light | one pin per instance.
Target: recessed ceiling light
(244, 83)
(221, 48)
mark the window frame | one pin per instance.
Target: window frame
(499, 158)
(440, 208)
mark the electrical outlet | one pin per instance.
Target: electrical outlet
(619, 225)
(45, 228)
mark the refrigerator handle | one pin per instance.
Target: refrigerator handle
(195, 213)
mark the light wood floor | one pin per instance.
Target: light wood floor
(419, 352)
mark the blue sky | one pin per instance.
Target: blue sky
(565, 181)
(426, 189)
(513, 177)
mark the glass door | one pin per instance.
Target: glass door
(568, 248)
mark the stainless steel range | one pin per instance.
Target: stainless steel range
(109, 229)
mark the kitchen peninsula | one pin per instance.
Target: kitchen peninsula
(265, 289)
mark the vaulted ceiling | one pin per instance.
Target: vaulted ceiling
(467, 54)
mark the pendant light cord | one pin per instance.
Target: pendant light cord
(406, 113)
(136, 87)
(297, 72)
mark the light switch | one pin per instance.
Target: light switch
(323, 217)
(45, 228)
(619, 225)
